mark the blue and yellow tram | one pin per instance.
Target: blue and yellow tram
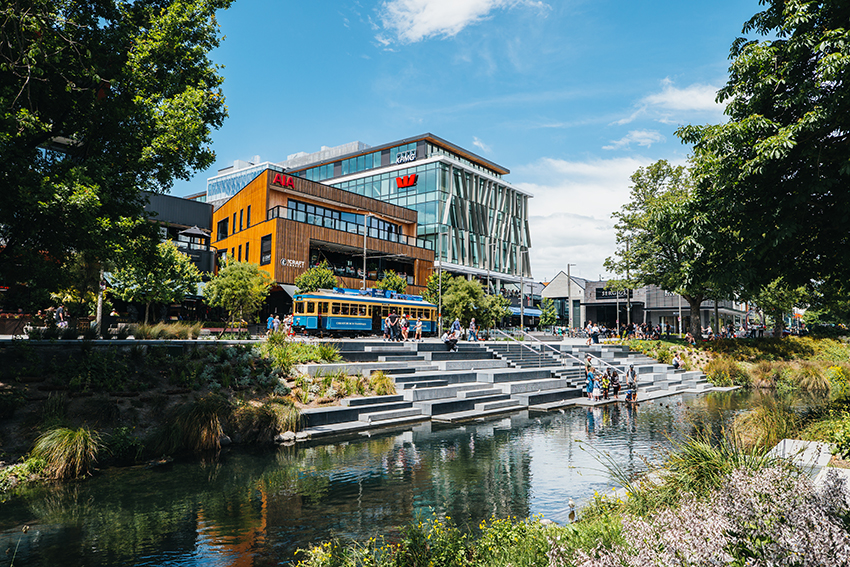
(353, 311)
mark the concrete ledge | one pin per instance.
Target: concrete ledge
(470, 364)
(439, 392)
(501, 404)
(350, 368)
(325, 416)
(467, 394)
(388, 415)
(547, 396)
(452, 405)
(514, 374)
(532, 385)
(370, 400)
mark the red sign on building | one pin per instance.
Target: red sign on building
(283, 180)
(406, 181)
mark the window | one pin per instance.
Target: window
(299, 307)
(246, 251)
(234, 222)
(345, 308)
(335, 308)
(266, 250)
(311, 307)
(248, 219)
(323, 307)
(241, 217)
(240, 252)
(221, 230)
(362, 309)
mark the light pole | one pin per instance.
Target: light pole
(490, 247)
(569, 298)
(440, 280)
(522, 291)
(365, 232)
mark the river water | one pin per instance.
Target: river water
(257, 507)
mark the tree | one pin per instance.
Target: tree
(393, 282)
(99, 101)
(314, 279)
(549, 314)
(775, 175)
(240, 288)
(664, 240)
(495, 309)
(777, 299)
(432, 287)
(464, 300)
(168, 277)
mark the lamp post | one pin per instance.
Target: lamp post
(440, 279)
(569, 298)
(522, 292)
(489, 261)
(365, 232)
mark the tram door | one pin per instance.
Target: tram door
(376, 319)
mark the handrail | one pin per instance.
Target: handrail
(559, 352)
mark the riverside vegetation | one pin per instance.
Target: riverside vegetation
(717, 499)
(67, 408)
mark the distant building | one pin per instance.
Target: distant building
(475, 221)
(188, 223)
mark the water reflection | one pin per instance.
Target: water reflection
(257, 507)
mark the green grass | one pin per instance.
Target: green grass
(195, 426)
(68, 453)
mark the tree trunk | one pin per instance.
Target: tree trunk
(147, 312)
(696, 325)
(778, 324)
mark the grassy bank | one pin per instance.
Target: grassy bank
(68, 408)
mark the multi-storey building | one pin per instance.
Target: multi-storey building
(476, 222)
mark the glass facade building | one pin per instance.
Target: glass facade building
(483, 219)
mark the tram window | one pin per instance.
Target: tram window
(385, 310)
(345, 308)
(368, 310)
(335, 308)
(311, 307)
(299, 307)
(362, 309)
(323, 307)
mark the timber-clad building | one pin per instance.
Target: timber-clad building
(288, 224)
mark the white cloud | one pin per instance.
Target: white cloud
(570, 214)
(480, 145)
(643, 138)
(677, 105)
(415, 20)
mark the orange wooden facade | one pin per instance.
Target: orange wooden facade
(291, 240)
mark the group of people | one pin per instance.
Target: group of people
(455, 333)
(601, 384)
(397, 328)
(273, 324)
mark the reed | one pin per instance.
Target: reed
(382, 384)
(195, 426)
(68, 453)
(808, 376)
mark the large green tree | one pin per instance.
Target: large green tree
(777, 299)
(168, 277)
(392, 281)
(776, 173)
(314, 279)
(664, 240)
(98, 100)
(239, 287)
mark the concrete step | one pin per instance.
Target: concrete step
(501, 404)
(454, 405)
(451, 376)
(449, 365)
(480, 393)
(438, 392)
(314, 417)
(514, 374)
(371, 400)
(532, 385)
(387, 415)
(422, 384)
(477, 354)
(548, 396)
(402, 357)
(392, 348)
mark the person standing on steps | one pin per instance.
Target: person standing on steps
(631, 384)
(418, 336)
(473, 331)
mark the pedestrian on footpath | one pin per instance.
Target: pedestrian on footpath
(473, 331)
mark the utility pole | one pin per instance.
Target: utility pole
(365, 232)
(628, 290)
(570, 297)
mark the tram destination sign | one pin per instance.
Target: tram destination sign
(603, 293)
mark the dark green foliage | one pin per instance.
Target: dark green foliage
(195, 426)
(124, 447)
(10, 400)
(68, 453)
(320, 277)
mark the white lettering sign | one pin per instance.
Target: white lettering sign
(404, 157)
(287, 263)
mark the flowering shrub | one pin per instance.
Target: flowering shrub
(769, 517)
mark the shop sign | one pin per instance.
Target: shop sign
(602, 293)
(283, 180)
(404, 157)
(406, 181)
(287, 263)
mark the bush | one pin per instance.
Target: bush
(382, 384)
(10, 400)
(808, 377)
(261, 423)
(724, 371)
(124, 447)
(195, 426)
(762, 427)
(68, 453)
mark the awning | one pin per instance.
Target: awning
(290, 289)
(529, 311)
(194, 231)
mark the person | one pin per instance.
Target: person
(677, 361)
(594, 334)
(589, 386)
(402, 325)
(588, 330)
(287, 325)
(394, 329)
(275, 323)
(588, 364)
(604, 383)
(456, 326)
(690, 338)
(270, 324)
(597, 386)
(388, 332)
(631, 384)
(59, 316)
(473, 331)
(449, 338)
(615, 383)
(418, 335)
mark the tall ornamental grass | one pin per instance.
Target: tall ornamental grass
(195, 426)
(68, 453)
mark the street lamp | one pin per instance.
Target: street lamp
(440, 276)
(522, 291)
(490, 247)
(365, 232)
(570, 297)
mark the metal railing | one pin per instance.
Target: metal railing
(560, 354)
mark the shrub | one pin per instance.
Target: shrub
(765, 374)
(382, 384)
(839, 380)
(68, 453)
(69, 333)
(195, 426)
(35, 333)
(261, 423)
(10, 400)
(808, 377)
(54, 411)
(328, 352)
(124, 447)
(724, 371)
(833, 428)
(767, 424)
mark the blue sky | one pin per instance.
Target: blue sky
(571, 96)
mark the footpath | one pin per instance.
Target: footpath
(480, 379)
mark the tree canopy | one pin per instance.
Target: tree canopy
(776, 174)
(465, 299)
(314, 279)
(168, 277)
(393, 282)
(239, 287)
(664, 240)
(99, 101)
